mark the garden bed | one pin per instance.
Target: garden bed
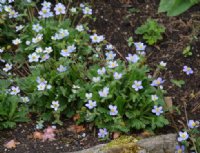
(118, 20)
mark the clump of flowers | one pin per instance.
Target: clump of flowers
(63, 68)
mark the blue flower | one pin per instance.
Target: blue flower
(180, 149)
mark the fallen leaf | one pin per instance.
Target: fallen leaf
(146, 134)
(169, 103)
(116, 135)
(76, 117)
(49, 134)
(11, 144)
(76, 128)
(37, 135)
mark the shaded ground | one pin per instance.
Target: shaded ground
(115, 21)
(66, 140)
(118, 23)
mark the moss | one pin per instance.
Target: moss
(124, 144)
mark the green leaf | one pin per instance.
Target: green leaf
(178, 83)
(120, 102)
(176, 7)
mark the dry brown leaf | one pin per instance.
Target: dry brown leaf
(116, 135)
(11, 144)
(76, 128)
(37, 135)
(169, 103)
(146, 134)
(76, 117)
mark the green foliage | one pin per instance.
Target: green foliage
(176, 7)
(134, 108)
(178, 83)
(151, 31)
(11, 111)
(187, 52)
(54, 94)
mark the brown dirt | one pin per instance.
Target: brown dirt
(117, 24)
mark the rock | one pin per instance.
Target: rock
(158, 144)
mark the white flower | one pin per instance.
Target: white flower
(14, 90)
(113, 110)
(110, 55)
(188, 70)
(102, 133)
(59, 9)
(46, 4)
(13, 14)
(18, 28)
(154, 97)
(117, 75)
(61, 68)
(61, 34)
(193, 124)
(10, 1)
(25, 99)
(157, 110)
(28, 42)
(39, 50)
(48, 50)
(73, 10)
(163, 64)
(68, 51)
(132, 58)
(104, 92)
(79, 28)
(183, 136)
(33, 57)
(101, 71)
(137, 85)
(41, 80)
(7, 67)
(96, 39)
(96, 79)
(91, 104)
(82, 5)
(38, 38)
(37, 27)
(45, 13)
(44, 57)
(140, 46)
(157, 82)
(88, 95)
(55, 105)
(16, 41)
(3, 1)
(109, 47)
(112, 64)
(87, 11)
(71, 48)
(1, 50)
(48, 86)
(41, 86)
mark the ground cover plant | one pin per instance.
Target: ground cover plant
(55, 67)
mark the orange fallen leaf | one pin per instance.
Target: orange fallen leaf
(11, 144)
(76, 117)
(146, 134)
(116, 135)
(38, 135)
(76, 128)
